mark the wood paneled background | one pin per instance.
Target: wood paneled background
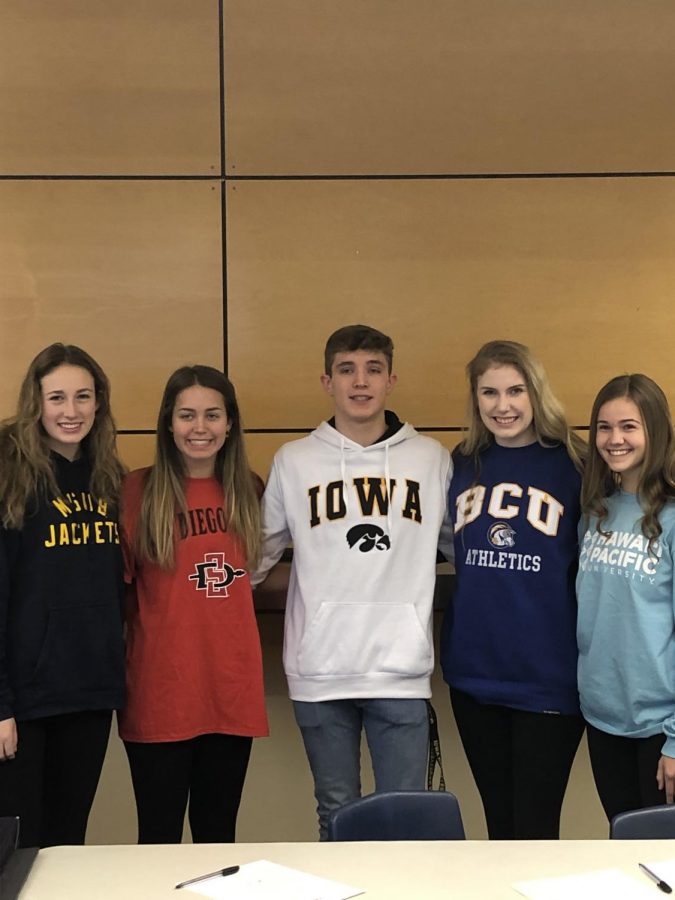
(226, 183)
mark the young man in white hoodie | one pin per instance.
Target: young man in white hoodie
(362, 499)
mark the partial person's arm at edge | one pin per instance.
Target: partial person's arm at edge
(665, 771)
(8, 733)
(275, 534)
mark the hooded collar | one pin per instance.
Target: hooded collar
(395, 432)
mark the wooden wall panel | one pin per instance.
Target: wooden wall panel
(90, 87)
(131, 271)
(582, 270)
(136, 450)
(390, 86)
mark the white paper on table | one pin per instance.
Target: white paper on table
(264, 880)
(601, 883)
(665, 869)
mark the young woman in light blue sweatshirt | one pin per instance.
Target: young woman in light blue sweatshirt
(626, 596)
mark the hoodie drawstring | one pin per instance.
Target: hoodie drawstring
(386, 488)
(343, 474)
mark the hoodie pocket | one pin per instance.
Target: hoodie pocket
(362, 638)
(82, 653)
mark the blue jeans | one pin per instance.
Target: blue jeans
(397, 732)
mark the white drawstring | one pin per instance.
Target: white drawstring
(343, 474)
(386, 489)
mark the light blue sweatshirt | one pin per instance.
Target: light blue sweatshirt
(626, 625)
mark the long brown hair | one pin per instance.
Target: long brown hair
(164, 494)
(25, 463)
(549, 423)
(656, 483)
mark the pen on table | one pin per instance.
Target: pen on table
(230, 870)
(661, 885)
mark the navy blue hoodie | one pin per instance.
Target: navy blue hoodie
(61, 604)
(509, 634)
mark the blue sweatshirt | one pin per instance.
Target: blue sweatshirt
(626, 629)
(509, 634)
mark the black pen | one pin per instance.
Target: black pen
(661, 885)
(230, 870)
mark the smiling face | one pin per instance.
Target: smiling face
(504, 406)
(621, 440)
(359, 384)
(200, 426)
(68, 408)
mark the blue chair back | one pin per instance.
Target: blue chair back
(399, 816)
(644, 824)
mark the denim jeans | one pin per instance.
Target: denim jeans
(397, 732)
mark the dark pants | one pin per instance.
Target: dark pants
(52, 781)
(207, 771)
(624, 770)
(520, 762)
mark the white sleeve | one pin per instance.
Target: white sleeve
(275, 533)
(446, 538)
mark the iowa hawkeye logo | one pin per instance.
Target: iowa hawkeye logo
(367, 537)
(214, 575)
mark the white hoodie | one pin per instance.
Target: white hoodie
(359, 608)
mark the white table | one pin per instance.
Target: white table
(415, 870)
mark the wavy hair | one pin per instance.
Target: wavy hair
(25, 463)
(656, 483)
(549, 422)
(164, 493)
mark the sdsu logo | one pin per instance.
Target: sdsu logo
(214, 575)
(501, 535)
(367, 537)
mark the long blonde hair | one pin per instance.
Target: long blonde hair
(549, 422)
(657, 474)
(164, 493)
(26, 467)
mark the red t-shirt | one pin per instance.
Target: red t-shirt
(194, 664)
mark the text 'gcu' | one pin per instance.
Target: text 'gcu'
(506, 500)
(369, 494)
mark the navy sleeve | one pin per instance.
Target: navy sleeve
(6, 698)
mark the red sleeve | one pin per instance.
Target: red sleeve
(132, 495)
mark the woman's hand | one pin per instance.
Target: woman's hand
(9, 740)
(665, 776)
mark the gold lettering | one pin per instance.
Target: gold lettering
(62, 506)
(51, 541)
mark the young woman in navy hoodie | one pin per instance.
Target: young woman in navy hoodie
(61, 596)
(508, 646)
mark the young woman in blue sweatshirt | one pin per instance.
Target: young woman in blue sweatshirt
(626, 592)
(61, 596)
(508, 645)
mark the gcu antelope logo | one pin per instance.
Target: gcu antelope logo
(501, 535)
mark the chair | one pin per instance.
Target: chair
(15, 864)
(399, 816)
(644, 824)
